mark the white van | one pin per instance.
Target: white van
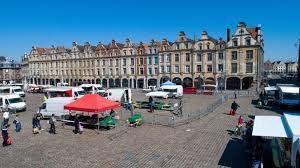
(119, 95)
(92, 88)
(12, 90)
(288, 95)
(62, 84)
(55, 106)
(174, 90)
(18, 84)
(64, 92)
(12, 102)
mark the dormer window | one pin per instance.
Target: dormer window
(124, 52)
(241, 31)
(200, 46)
(130, 52)
(186, 45)
(248, 41)
(154, 50)
(165, 48)
(182, 38)
(141, 51)
(235, 43)
(177, 46)
(208, 46)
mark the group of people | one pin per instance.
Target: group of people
(5, 125)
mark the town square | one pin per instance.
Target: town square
(139, 84)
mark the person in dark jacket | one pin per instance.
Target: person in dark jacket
(234, 107)
(76, 124)
(52, 121)
(151, 104)
(38, 120)
(4, 134)
(34, 121)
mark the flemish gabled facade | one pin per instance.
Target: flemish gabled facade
(244, 57)
(233, 64)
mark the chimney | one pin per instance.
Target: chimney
(228, 34)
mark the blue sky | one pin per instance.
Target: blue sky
(60, 22)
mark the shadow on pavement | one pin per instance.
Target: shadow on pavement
(234, 155)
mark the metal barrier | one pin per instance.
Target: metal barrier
(176, 120)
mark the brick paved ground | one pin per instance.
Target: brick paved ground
(205, 144)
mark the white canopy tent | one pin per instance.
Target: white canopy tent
(285, 126)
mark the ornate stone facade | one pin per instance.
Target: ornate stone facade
(184, 61)
(9, 71)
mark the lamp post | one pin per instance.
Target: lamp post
(298, 45)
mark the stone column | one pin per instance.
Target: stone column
(136, 83)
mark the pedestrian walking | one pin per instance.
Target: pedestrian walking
(5, 117)
(17, 123)
(6, 138)
(34, 121)
(38, 120)
(52, 121)
(234, 107)
(235, 96)
(76, 124)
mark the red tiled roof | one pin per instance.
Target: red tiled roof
(253, 32)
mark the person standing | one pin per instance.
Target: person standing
(38, 120)
(151, 104)
(5, 117)
(34, 121)
(76, 124)
(5, 136)
(17, 122)
(52, 121)
(235, 96)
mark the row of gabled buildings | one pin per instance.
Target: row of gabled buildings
(281, 67)
(234, 63)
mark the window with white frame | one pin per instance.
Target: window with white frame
(176, 57)
(141, 71)
(168, 58)
(199, 57)
(176, 69)
(209, 68)
(187, 69)
(162, 69)
(168, 69)
(162, 58)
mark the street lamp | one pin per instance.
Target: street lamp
(298, 45)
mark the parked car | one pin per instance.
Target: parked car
(190, 90)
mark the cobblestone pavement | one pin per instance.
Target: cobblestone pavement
(201, 143)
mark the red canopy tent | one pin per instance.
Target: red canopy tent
(92, 103)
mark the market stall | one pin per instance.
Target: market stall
(91, 103)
